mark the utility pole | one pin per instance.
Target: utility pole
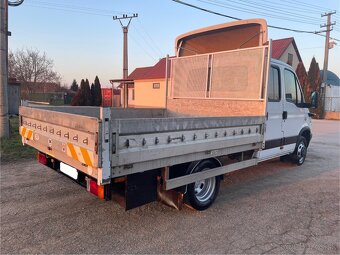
(328, 30)
(4, 121)
(125, 28)
(4, 33)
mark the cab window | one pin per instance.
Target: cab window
(274, 91)
(292, 89)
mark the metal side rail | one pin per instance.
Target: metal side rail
(184, 180)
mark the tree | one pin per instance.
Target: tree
(315, 84)
(83, 96)
(74, 86)
(92, 94)
(30, 65)
(87, 97)
(303, 79)
(97, 94)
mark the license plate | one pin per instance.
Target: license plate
(69, 170)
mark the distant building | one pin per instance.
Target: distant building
(13, 96)
(147, 86)
(28, 88)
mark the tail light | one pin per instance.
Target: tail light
(42, 158)
(94, 188)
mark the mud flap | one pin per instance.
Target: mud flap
(170, 198)
(137, 189)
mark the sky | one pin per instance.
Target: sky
(84, 41)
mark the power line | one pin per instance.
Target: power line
(78, 7)
(150, 38)
(264, 11)
(142, 47)
(235, 18)
(69, 10)
(292, 6)
(309, 48)
(307, 5)
(276, 9)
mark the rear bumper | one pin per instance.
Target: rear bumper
(86, 181)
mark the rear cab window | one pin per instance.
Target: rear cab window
(274, 85)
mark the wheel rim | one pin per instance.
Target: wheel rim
(204, 189)
(301, 152)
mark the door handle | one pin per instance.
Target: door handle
(284, 115)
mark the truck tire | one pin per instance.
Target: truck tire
(202, 194)
(300, 152)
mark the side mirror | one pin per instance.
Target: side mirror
(314, 99)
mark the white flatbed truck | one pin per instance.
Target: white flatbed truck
(229, 106)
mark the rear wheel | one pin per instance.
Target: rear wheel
(300, 153)
(201, 194)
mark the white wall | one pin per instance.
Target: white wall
(291, 50)
(332, 103)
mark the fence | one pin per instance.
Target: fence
(332, 104)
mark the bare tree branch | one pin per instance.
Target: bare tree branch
(30, 65)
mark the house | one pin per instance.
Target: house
(147, 85)
(286, 50)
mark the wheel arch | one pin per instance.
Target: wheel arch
(194, 164)
(307, 134)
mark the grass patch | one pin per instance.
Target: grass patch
(11, 148)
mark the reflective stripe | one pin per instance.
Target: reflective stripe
(71, 149)
(86, 156)
(25, 132)
(80, 154)
(29, 134)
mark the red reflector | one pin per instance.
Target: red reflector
(95, 189)
(42, 158)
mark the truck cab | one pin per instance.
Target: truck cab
(288, 120)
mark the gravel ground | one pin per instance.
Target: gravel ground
(274, 207)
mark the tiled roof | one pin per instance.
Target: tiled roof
(279, 47)
(152, 72)
(139, 72)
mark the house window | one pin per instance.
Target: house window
(290, 59)
(133, 94)
(156, 85)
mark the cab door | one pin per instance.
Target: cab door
(273, 133)
(294, 117)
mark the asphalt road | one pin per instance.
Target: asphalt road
(274, 207)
